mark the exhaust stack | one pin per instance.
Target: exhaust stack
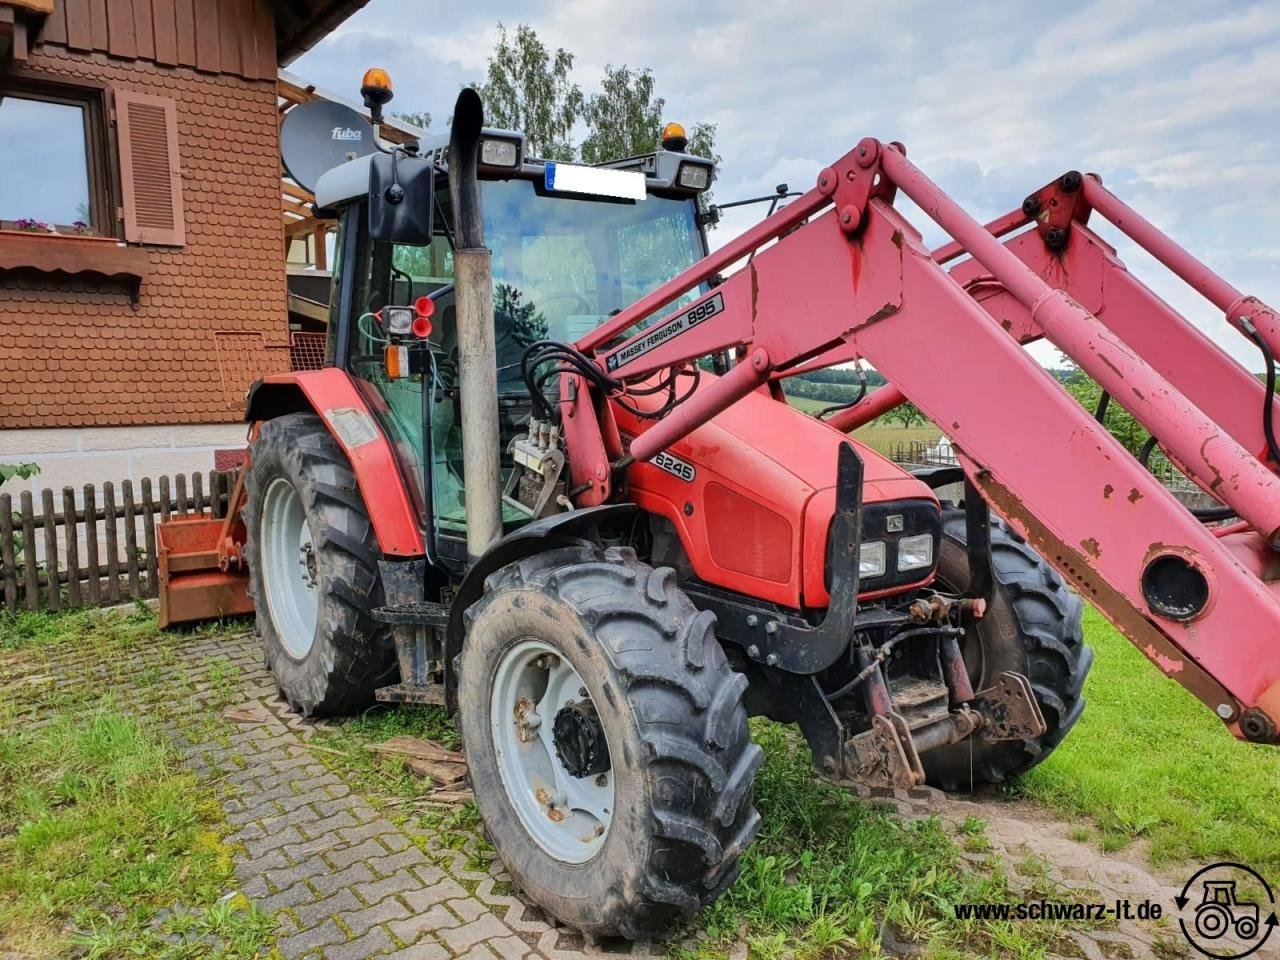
(478, 365)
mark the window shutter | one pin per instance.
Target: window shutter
(150, 175)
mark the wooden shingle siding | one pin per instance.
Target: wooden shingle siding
(78, 351)
(235, 37)
(79, 24)
(144, 28)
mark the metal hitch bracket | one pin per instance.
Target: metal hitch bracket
(1009, 709)
(884, 757)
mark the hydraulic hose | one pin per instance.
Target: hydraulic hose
(1268, 424)
(882, 653)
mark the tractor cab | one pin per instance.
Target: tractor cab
(571, 246)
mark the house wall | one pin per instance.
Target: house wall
(76, 456)
(95, 386)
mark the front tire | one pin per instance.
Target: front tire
(666, 839)
(313, 570)
(1032, 627)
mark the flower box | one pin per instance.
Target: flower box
(73, 255)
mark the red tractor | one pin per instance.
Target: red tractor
(550, 479)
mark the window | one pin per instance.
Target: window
(51, 150)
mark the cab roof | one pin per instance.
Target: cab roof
(350, 181)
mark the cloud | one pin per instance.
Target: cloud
(1176, 103)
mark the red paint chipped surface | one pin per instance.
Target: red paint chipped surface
(1167, 664)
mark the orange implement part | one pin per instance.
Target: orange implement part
(197, 581)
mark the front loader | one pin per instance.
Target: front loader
(550, 479)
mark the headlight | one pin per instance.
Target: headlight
(498, 153)
(915, 553)
(871, 560)
(694, 176)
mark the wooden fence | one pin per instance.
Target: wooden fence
(60, 553)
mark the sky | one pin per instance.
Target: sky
(1175, 104)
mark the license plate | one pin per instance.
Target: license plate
(595, 181)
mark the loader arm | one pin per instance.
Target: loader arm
(849, 277)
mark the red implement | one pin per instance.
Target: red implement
(202, 571)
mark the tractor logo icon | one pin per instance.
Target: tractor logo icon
(1227, 922)
(1220, 909)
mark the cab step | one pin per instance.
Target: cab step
(417, 627)
(411, 693)
(418, 613)
(919, 702)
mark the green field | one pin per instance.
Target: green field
(1148, 761)
(879, 436)
(882, 439)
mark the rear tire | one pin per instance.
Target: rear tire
(682, 763)
(1032, 626)
(327, 653)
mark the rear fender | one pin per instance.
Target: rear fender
(332, 395)
(561, 530)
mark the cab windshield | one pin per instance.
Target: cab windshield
(561, 267)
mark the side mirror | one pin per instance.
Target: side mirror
(402, 198)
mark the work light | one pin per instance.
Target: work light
(498, 153)
(694, 176)
(399, 320)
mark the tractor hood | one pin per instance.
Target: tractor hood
(752, 492)
(806, 448)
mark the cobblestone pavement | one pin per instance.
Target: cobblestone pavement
(346, 882)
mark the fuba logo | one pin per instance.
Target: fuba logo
(345, 133)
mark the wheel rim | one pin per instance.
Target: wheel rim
(289, 573)
(568, 816)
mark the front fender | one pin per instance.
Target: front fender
(332, 395)
(562, 530)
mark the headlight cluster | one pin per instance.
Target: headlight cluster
(914, 553)
(899, 543)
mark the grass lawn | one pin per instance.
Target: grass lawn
(109, 848)
(826, 877)
(1149, 761)
(829, 875)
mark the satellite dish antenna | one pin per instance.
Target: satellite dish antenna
(318, 135)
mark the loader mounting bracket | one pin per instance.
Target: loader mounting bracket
(977, 529)
(884, 756)
(1009, 709)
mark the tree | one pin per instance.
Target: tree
(906, 414)
(421, 120)
(1118, 421)
(528, 89)
(625, 117)
(702, 142)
